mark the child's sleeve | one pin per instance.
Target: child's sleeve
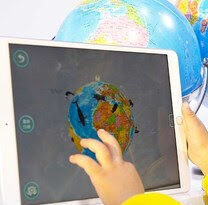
(205, 184)
(151, 199)
(159, 199)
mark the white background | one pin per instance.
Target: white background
(41, 19)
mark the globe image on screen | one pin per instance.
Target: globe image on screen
(100, 105)
(147, 24)
(196, 11)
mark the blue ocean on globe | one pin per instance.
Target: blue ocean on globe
(148, 24)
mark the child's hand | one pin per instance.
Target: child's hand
(114, 179)
(197, 139)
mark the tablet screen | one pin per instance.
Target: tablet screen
(41, 77)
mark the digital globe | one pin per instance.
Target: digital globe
(100, 105)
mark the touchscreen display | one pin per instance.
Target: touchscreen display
(61, 94)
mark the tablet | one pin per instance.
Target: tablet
(37, 137)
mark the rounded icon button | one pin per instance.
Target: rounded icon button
(26, 124)
(21, 58)
(31, 190)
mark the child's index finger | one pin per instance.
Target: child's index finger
(111, 143)
(102, 153)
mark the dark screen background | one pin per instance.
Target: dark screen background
(39, 92)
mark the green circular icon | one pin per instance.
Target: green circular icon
(31, 190)
(26, 124)
(21, 58)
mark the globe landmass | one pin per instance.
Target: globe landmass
(189, 9)
(108, 33)
(100, 105)
(119, 122)
(123, 27)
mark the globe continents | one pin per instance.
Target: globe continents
(196, 11)
(100, 105)
(152, 24)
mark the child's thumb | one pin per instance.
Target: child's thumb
(186, 110)
(189, 116)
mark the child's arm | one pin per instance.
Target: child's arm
(114, 179)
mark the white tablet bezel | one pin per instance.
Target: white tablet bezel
(9, 174)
